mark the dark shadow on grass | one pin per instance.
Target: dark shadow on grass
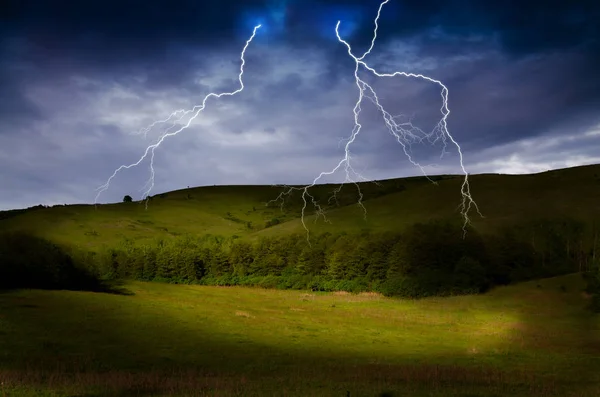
(116, 287)
(104, 287)
(556, 324)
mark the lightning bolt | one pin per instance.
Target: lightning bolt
(404, 132)
(144, 131)
(175, 118)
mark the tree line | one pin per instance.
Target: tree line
(427, 259)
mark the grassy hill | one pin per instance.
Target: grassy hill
(504, 200)
(531, 339)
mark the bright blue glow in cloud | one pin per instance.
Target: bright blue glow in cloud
(328, 16)
(252, 18)
(272, 19)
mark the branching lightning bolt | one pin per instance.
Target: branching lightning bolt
(404, 132)
(175, 118)
(400, 127)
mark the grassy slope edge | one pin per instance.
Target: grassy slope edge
(504, 200)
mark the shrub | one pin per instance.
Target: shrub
(469, 275)
(400, 286)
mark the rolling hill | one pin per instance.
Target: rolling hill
(391, 205)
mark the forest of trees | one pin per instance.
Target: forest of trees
(425, 260)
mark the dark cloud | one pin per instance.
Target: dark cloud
(15, 107)
(131, 29)
(501, 101)
(521, 27)
(127, 37)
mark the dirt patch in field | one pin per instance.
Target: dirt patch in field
(240, 313)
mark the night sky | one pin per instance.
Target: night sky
(79, 79)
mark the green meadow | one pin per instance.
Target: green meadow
(200, 325)
(530, 339)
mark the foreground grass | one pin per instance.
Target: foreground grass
(191, 340)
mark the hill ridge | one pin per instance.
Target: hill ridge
(391, 204)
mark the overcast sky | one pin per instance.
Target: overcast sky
(80, 79)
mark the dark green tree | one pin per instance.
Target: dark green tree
(241, 258)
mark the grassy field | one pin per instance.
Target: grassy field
(391, 205)
(531, 339)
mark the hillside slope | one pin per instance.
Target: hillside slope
(504, 200)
